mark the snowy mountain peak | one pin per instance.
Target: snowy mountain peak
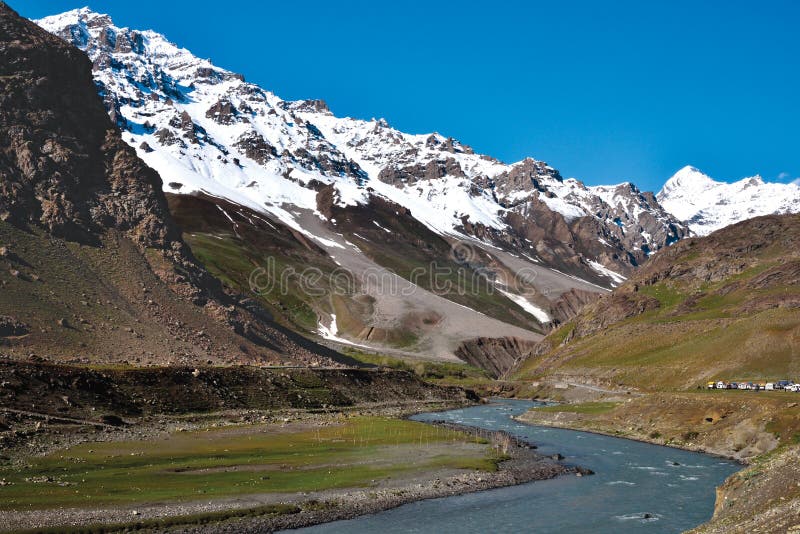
(205, 129)
(706, 205)
(96, 34)
(689, 177)
(72, 17)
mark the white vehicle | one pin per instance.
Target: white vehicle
(743, 385)
(770, 386)
(721, 385)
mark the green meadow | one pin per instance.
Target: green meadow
(238, 460)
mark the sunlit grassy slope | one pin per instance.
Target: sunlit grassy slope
(722, 307)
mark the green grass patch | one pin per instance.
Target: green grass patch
(450, 373)
(558, 337)
(667, 296)
(232, 261)
(238, 460)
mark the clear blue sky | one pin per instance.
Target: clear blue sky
(605, 91)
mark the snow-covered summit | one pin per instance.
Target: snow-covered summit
(689, 177)
(707, 205)
(206, 129)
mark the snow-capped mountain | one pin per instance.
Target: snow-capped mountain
(205, 128)
(707, 205)
(211, 134)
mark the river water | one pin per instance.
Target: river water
(674, 488)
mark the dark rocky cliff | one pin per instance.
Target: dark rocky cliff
(64, 164)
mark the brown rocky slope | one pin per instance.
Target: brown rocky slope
(92, 266)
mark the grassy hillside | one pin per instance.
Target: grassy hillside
(233, 253)
(722, 307)
(236, 248)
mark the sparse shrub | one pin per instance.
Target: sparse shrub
(112, 420)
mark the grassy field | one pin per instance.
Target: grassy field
(239, 460)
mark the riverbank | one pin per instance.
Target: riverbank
(519, 466)
(765, 497)
(514, 462)
(719, 423)
(760, 430)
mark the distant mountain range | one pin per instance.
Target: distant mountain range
(251, 177)
(706, 205)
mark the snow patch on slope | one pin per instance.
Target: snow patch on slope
(331, 333)
(541, 315)
(605, 271)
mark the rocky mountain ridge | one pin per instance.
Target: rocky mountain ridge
(206, 129)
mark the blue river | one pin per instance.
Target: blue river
(637, 487)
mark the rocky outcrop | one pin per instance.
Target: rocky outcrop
(570, 304)
(527, 175)
(64, 164)
(432, 170)
(223, 112)
(317, 106)
(495, 355)
(9, 326)
(641, 225)
(256, 147)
